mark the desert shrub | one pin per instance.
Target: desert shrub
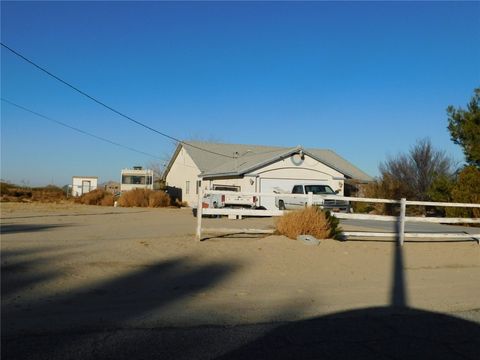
(108, 200)
(363, 207)
(386, 187)
(309, 221)
(15, 194)
(144, 198)
(370, 191)
(5, 188)
(49, 193)
(158, 199)
(133, 198)
(96, 197)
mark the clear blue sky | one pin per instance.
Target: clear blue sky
(363, 79)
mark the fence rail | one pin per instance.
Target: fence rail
(400, 234)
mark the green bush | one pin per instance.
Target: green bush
(466, 190)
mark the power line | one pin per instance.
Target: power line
(79, 130)
(107, 106)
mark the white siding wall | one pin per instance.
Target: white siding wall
(184, 169)
(78, 187)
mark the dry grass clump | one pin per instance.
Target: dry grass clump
(5, 188)
(144, 198)
(96, 197)
(158, 199)
(136, 197)
(309, 221)
(48, 194)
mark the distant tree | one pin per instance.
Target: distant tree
(157, 168)
(466, 190)
(441, 188)
(464, 127)
(411, 175)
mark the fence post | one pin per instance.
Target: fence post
(401, 221)
(199, 214)
(310, 199)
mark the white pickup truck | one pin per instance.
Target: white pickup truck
(229, 199)
(319, 192)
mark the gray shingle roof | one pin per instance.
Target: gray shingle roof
(240, 159)
(332, 159)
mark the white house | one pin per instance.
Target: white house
(253, 168)
(136, 178)
(83, 184)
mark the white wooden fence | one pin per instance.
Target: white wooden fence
(400, 234)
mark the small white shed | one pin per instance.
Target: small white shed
(83, 184)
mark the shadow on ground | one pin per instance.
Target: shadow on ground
(393, 332)
(31, 330)
(20, 228)
(78, 214)
(372, 333)
(24, 269)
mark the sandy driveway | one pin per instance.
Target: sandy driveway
(85, 267)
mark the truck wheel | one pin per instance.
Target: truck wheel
(281, 205)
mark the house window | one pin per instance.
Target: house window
(199, 183)
(187, 187)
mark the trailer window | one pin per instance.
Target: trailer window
(138, 180)
(129, 179)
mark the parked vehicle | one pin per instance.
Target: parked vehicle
(319, 193)
(229, 199)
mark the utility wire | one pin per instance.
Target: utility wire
(107, 106)
(79, 130)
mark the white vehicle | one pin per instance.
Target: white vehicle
(229, 199)
(319, 192)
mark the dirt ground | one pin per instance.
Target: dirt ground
(70, 267)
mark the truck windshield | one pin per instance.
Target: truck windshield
(319, 189)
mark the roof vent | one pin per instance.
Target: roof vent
(137, 168)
